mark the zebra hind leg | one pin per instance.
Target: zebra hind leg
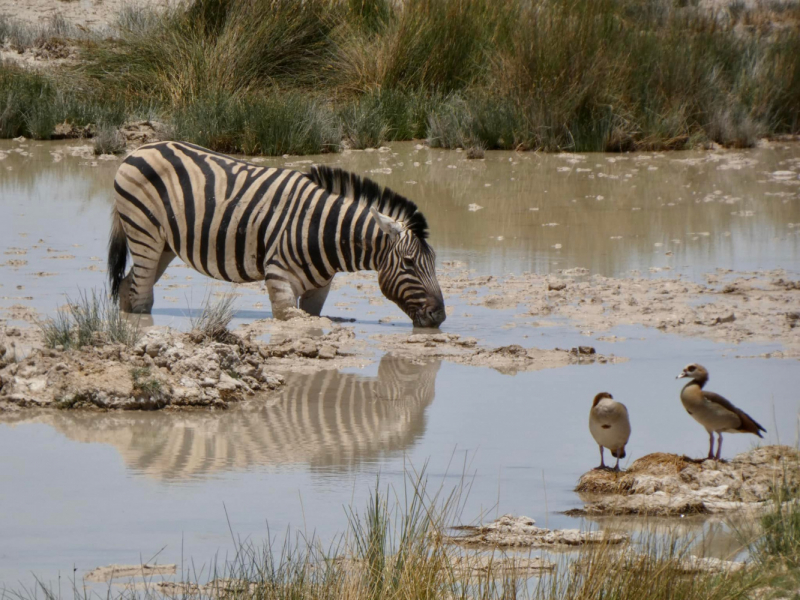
(144, 274)
(313, 300)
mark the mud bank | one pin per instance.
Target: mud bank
(662, 484)
(731, 307)
(505, 359)
(164, 369)
(629, 559)
(521, 532)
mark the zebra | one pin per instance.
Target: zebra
(240, 222)
(328, 420)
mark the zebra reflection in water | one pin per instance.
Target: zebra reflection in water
(332, 421)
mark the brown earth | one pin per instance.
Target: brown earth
(663, 484)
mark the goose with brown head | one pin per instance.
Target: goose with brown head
(712, 411)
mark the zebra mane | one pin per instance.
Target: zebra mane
(343, 183)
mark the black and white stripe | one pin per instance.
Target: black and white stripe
(328, 420)
(240, 222)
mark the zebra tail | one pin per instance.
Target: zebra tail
(117, 255)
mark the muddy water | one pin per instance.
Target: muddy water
(88, 489)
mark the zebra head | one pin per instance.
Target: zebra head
(407, 273)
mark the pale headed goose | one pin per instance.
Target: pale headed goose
(713, 411)
(610, 427)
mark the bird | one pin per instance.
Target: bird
(712, 411)
(610, 427)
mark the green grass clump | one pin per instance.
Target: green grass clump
(90, 320)
(109, 140)
(215, 47)
(364, 124)
(144, 383)
(26, 103)
(273, 124)
(33, 103)
(215, 316)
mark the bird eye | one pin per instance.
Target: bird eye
(690, 369)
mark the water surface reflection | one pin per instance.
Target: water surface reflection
(329, 420)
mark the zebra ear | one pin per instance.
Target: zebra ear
(387, 224)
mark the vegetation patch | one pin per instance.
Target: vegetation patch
(281, 77)
(213, 319)
(396, 548)
(92, 319)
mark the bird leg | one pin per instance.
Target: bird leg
(602, 461)
(719, 445)
(616, 467)
(711, 446)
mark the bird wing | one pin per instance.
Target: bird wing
(749, 425)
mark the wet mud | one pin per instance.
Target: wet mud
(117, 572)
(731, 307)
(663, 484)
(521, 532)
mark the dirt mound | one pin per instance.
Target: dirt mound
(521, 532)
(165, 368)
(668, 484)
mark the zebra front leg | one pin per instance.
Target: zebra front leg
(313, 300)
(283, 291)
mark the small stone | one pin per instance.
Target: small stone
(274, 381)
(227, 383)
(247, 370)
(326, 352)
(153, 348)
(305, 348)
(556, 287)
(726, 319)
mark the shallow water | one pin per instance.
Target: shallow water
(84, 490)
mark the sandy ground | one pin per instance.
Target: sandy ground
(88, 14)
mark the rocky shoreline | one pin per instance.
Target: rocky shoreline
(169, 369)
(669, 485)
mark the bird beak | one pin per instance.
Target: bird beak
(682, 375)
